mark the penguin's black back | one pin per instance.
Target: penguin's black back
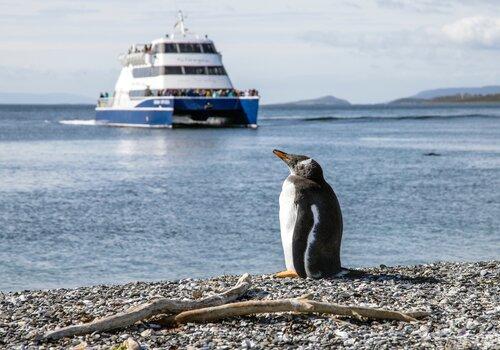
(318, 229)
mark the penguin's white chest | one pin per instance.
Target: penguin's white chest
(288, 217)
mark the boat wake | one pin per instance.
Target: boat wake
(79, 122)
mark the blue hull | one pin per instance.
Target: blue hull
(170, 111)
(134, 117)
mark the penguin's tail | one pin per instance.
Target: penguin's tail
(345, 272)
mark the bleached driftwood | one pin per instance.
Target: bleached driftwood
(221, 306)
(149, 309)
(302, 305)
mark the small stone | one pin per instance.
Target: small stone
(81, 346)
(247, 344)
(146, 333)
(197, 294)
(32, 335)
(342, 334)
(349, 342)
(131, 344)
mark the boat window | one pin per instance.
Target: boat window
(189, 48)
(136, 93)
(166, 48)
(217, 70)
(208, 48)
(194, 70)
(145, 72)
(167, 70)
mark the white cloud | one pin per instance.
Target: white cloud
(477, 31)
(417, 42)
(423, 6)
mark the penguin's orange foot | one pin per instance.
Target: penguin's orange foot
(285, 274)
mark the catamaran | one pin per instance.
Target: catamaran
(176, 80)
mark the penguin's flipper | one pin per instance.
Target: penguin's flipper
(285, 274)
(303, 226)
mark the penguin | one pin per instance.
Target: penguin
(310, 220)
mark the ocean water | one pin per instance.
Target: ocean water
(82, 204)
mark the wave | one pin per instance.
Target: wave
(377, 118)
(79, 122)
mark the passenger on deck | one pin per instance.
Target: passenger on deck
(148, 91)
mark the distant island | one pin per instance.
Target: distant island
(484, 90)
(485, 94)
(326, 101)
(454, 95)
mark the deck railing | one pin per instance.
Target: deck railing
(105, 102)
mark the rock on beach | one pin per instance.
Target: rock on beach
(463, 298)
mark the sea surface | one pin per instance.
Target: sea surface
(82, 204)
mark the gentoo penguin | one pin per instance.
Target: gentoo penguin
(310, 220)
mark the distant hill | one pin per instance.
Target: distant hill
(49, 98)
(485, 94)
(485, 90)
(468, 98)
(320, 101)
(451, 99)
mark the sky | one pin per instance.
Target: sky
(366, 51)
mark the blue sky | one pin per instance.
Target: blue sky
(365, 51)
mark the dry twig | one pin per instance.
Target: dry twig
(145, 311)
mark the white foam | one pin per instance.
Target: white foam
(79, 122)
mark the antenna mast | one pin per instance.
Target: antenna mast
(180, 23)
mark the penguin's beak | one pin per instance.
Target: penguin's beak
(282, 155)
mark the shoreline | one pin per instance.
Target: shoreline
(462, 298)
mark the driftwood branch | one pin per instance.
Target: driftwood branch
(221, 306)
(302, 305)
(149, 309)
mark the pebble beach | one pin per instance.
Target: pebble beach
(463, 299)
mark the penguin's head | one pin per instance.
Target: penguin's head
(302, 166)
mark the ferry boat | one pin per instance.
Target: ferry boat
(173, 81)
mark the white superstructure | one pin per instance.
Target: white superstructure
(180, 60)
